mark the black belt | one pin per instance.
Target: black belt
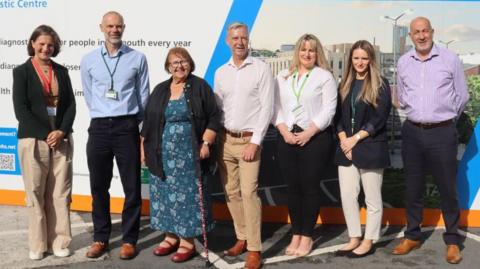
(125, 117)
(431, 125)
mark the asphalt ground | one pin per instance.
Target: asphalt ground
(275, 237)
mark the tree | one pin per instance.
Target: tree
(468, 119)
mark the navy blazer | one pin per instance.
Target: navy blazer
(371, 152)
(29, 103)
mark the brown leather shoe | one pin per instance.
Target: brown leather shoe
(128, 251)
(237, 249)
(97, 249)
(254, 260)
(453, 254)
(405, 246)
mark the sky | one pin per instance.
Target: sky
(284, 21)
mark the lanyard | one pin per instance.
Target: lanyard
(46, 82)
(353, 109)
(114, 69)
(299, 92)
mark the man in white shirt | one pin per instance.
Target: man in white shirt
(244, 89)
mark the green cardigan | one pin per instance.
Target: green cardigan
(29, 103)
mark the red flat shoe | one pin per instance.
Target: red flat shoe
(163, 251)
(183, 257)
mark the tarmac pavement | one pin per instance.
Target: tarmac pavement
(328, 238)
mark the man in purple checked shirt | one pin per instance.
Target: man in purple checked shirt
(433, 92)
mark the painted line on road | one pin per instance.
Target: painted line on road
(470, 235)
(73, 226)
(326, 191)
(331, 249)
(216, 260)
(269, 197)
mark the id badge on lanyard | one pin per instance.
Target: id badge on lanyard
(52, 111)
(111, 94)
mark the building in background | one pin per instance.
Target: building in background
(401, 39)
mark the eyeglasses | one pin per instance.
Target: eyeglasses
(178, 63)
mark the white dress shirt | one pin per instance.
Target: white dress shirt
(318, 99)
(245, 95)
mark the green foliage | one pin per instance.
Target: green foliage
(393, 189)
(468, 119)
(473, 106)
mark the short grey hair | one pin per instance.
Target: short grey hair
(115, 13)
(236, 25)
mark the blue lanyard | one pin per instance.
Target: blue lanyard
(114, 69)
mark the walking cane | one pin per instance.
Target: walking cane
(204, 228)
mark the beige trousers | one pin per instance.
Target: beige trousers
(371, 180)
(47, 175)
(240, 182)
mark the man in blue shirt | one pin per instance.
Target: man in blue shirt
(116, 88)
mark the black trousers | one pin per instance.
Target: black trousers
(434, 151)
(118, 138)
(302, 168)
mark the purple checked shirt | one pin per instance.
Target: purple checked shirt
(432, 90)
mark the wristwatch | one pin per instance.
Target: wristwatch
(206, 143)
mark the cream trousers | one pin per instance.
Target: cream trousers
(47, 175)
(350, 178)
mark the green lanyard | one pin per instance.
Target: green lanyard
(353, 108)
(299, 92)
(114, 69)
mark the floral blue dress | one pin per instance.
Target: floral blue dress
(175, 202)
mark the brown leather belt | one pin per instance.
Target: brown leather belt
(238, 134)
(428, 125)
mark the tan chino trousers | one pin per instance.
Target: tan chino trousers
(47, 175)
(240, 182)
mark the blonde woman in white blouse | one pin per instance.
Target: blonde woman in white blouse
(305, 104)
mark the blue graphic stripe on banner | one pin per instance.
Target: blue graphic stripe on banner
(468, 171)
(243, 11)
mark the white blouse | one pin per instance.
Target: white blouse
(317, 100)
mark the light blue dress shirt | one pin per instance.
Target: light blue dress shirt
(130, 82)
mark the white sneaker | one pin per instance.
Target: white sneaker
(35, 255)
(63, 252)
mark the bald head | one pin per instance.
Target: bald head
(421, 33)
(420, 20)
(111, 14)
(112, 27)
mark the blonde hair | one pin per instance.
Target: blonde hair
(373, 80)
(320, 61)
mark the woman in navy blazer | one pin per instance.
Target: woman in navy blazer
(362, 154)
(44, 106)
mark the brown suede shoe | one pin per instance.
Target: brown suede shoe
(237, 249)
(405, 246)
(253, 260)
(127, 251)
(453, 254)
(96, 250)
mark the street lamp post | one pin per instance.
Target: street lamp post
(395, 20)
(446, 43)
